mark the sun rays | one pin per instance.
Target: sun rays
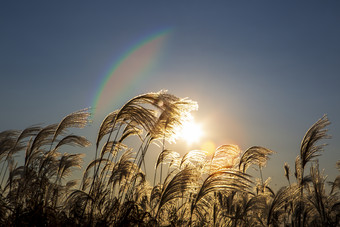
(190, 131)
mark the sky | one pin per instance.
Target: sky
(262, 72)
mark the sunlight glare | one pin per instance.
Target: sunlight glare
(191, 131)
(209, 146)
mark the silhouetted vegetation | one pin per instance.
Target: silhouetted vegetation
(197, 189)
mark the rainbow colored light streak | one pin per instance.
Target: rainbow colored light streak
(130, 68)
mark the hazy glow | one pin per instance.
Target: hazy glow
(191, 131)
(209, 146)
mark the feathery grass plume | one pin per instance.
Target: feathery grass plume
(73, 140)
(254, 155)
(123, 168)
(155, 196)
(106, 126)
(237, 208)
(274, 210)
(309, 149)
(203, 209)
(182, 182)
(131, 130)
(4, 135)
(174, 111)
(336, 183)
(28, 132)
(11, 140)
(175, 163)
(20, 144)
(85, 181)
(262, 187)
(66, 162)
(167, 112)
(166, 154)
(136, 112)
(320, 201)
(123, 173)
(44, 137)
(225, 156)
(223, 180)
(7, 141)
(132, 111)
(77, 200)
(146, 112)
(48, 164)
(298, 168)
(112, 147)
(194, 158)
(287, 171)
(78, 119)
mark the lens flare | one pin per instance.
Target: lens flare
(209, 146)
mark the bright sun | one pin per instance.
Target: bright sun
(191, 131)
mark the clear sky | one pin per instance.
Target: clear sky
(262, 72)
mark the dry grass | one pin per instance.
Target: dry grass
(197, 191)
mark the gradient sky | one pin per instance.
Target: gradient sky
(262, 71)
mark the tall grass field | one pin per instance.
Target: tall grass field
(194, 189)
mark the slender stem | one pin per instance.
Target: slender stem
(97, 168)
(130, 172)
(160, 176)
(260, 167)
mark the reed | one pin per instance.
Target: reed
(197, 190)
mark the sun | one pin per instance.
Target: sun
(191, 131)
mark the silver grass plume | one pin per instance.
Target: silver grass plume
(194, 158)
(131, 130)
(174, 111)
(160, 119)
(28, 132)
(113, 148)
(155, 196)
(78, 119)
(225, 156)
(254, 155)
(20, 144)
(166, 154)
(287, 171)
(323, 203)
(123, 169)
(227, 180)
(44, 137)
(73, 140)
(275, 208)
(181, 183)
(336, 183)
(92, 164)
(7, 141)
(106, 126)
(309, 149)
(68, 161)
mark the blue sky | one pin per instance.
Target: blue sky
(262, 71)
